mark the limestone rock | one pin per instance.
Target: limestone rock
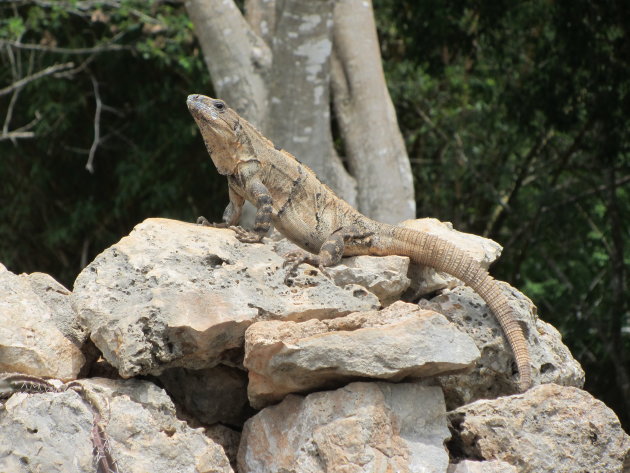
(549, 428)
(384, 276)
(39, 332)
(227, 438)
(57, 297)
(494, 466)
(394, 343)
(495, 374)
(173, 294)
(361, 428)
(211, 395)
(53, 432)
(426, 280)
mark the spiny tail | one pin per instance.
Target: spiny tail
(442, 255)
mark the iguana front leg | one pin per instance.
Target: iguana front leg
(261, 197)
(329, 254)
(231, 214)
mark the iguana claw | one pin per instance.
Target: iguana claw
(245, 236)
(206, 223)
(295, 258)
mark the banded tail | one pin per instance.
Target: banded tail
(442, 255)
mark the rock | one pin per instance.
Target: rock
(394, 343)
(57, 297)
(549, 428)
(53, 431)
(426, 280)
(173, 294)
(227, 438)
(494, 466)
(384, 276)
(495, 374)
(39, 332)
(211, 395)
(361, 428)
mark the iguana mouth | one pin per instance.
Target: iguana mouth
(200, 109)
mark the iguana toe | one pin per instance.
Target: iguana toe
(245, 236)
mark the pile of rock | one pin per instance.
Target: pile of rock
(182, 349)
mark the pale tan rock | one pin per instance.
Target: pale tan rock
(495, 373)
(426, 280)
(549, 428)
(57, 297)
(384, 276)
(391, 344)
(361, 428)
(39, 334)
(174, 294)
(228, 438)
(53, 432)
(469, 466)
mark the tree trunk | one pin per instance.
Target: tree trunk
(276, 71)
(237, 59)
(299, 118)
(374, 146)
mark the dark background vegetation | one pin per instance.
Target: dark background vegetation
(516, 118)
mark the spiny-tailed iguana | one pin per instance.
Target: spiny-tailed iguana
(309, 214)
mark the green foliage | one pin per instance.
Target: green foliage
(149, 160)
(515, 116)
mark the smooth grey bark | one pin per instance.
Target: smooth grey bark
(375, 150)
(261, 17)
(299, 118)
(238, 60)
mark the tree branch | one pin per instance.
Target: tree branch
(22, 132)
(38, 75)
(97, 126)
(53, 49)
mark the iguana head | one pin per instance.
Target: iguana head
(221, 130)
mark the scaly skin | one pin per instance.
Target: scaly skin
(289, 195)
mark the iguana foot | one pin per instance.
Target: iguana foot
(246, 236)
(295, 258)
(204, 222)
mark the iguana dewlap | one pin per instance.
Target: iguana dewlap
(289, 195)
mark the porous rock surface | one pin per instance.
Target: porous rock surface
(495, 374)
(470, 466)
(190, 304)
(39, 330)
(385, 277)
(550, 428)
(397, 342)
(360, 428)
(54, 431)
(173, 294)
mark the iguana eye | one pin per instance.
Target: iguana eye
(220, 106)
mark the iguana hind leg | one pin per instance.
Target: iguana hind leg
(329, 254)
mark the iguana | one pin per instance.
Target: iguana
(289, 195)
